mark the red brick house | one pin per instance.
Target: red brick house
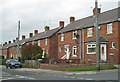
(83, 46)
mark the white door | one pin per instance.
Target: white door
(43, 54)
(67, 52)
(103, 52)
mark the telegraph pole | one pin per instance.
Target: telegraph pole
(97, 36)
(18, 39)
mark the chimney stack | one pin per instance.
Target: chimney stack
(13, 41)
(23, 37)
(9, 42)
(30, 35)
(35, 32)
(72, 19)
(16, 38)
(61, 24)
(47, 28)
(5, 43)
(99, 11)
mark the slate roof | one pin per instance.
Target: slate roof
(101, 39)
(105, 17)
(38, 36)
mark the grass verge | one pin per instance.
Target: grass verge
(89, 68)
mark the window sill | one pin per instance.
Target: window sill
(62, 40)
(109, 33)
(112, 48)
(74, 38)
(89, 36)
(91, 53)
(111, 54)
(74, 56)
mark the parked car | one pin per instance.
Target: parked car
(13, 63)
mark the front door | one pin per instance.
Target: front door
(103, 52)
(67, 52)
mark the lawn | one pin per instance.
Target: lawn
(90, 68)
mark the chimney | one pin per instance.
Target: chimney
(35, 32)
(23, 37)
(9, 42)
(30, 35)
(16, 38)
(99, 11)
(13, 41)
(61, 24)
(47, 28)
(0, 44)
(5, 43)
(72, 19)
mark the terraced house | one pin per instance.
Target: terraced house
(82, 47)
(77, 40)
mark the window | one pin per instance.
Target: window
(62, 37)
(74, 34)
(91, 48)
(38, 42)
(109, 28)
(74, 51)
(47, 51)
(45, 41)
(27, 43)
(113, 44)
(59, 48)
(89, 32)
(33, 43)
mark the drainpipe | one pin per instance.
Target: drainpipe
(83, 44)
(80, 45)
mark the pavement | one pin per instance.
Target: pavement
(39, 71)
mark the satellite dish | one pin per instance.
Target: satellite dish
(77, 36)
(76, 41)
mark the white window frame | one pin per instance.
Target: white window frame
(91, 46)
(38, 42)
(88, 32)
(46, 41)
(74, 48)
(47, 51)
(74, 32)
(62, 37)
(60, 50)
(113, 44)
(109, 26)
(32, 42)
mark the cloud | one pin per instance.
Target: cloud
(36, 14)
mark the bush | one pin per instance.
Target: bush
(38, 56)
(2, 61)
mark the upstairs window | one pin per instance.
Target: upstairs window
(47, 51)
(46, 41)
(109, 28)
(62, 37)
(89, 32)
(74, 51)
(38, 42)
(74, 34)
(91, 48)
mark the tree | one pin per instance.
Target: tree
(29, 51)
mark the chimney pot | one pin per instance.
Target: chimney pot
(30, 35)
(72, 19)
(13, 41)
(23, 37)
(5, 43)
(9, 42)
(99, 11)
(16, 38)
(61, 24)
(35, 32)
(47, 28)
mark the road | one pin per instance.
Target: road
(13, 74)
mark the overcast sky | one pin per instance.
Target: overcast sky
(36, 14)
